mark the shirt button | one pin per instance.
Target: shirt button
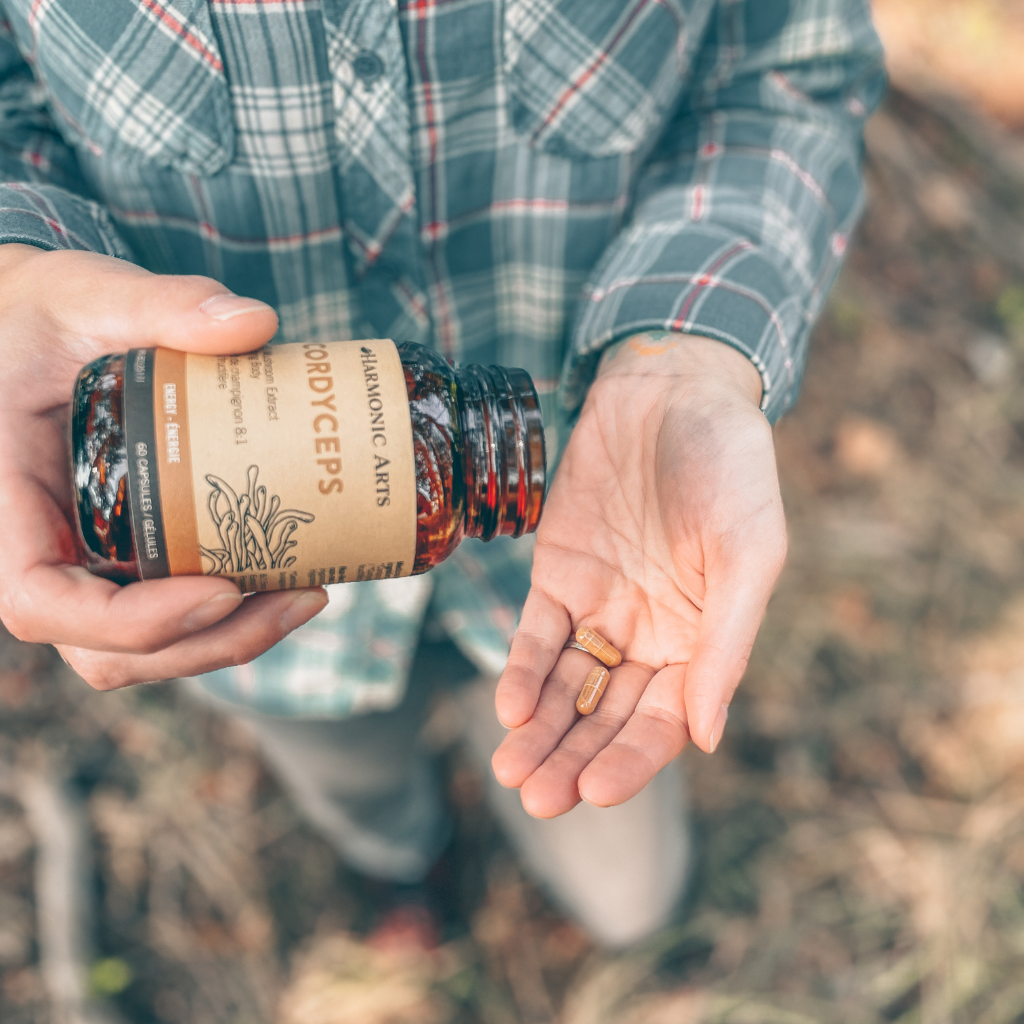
(368, 66)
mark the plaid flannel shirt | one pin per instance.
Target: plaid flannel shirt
(512, 181)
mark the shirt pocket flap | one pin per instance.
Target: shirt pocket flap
(132, 79)
(592, 77)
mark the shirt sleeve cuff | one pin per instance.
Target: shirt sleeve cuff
(698, 281)
(53, 218)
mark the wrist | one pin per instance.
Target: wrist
(675, 360)
(13, 254)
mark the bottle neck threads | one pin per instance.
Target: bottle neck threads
(503, 451)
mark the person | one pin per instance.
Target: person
(641, 203)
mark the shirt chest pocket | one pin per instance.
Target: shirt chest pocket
(593, 78)
(136, 80)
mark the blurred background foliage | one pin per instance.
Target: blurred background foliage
(973, 47)
(860, 834)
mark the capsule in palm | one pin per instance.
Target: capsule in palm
(598, 646)
(592, 690)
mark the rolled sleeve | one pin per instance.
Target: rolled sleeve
(744, 212)
(53, 218)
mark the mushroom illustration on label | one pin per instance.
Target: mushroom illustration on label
(255, 532)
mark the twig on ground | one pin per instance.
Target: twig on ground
(62, 883)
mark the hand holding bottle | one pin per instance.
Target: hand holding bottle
(663, 531)
(58, 311)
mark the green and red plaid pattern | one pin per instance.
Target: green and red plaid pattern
(521, 182)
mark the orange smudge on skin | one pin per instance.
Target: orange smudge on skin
(643, 346)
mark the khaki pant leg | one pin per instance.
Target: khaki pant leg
(619, 871)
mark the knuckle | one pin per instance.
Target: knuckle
(104, 681)
(101, 682)
(608, 717)
(148, 645)
(100, 672)
(664, 719)
(14, 626)
(529, 640)
(243, 641)
(239, 652)
(20, 626)
(201, 281)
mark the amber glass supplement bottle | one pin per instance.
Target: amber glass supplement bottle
(299, 465)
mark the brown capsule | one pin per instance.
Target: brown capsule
(589, 696)
(598, 646)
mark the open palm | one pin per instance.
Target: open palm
(663, 531)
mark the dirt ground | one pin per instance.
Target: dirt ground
(860, 833)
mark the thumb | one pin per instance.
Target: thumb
(99, 305)
(734, 604)
(193, 314)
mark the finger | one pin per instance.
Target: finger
(524, 749)
(107, 305)
(553, 788)
(654, 734)
(66, 604)
(191, 313)
(260, 622)
(542, 632)
(738, 589)
(44, 599)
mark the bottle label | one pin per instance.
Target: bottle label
(287, 467)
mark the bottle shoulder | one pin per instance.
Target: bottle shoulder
(99, 469)
(437, 449)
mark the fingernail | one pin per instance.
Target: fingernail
(227, 306)
(301, 609)
(719, 727)
(211, 611)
